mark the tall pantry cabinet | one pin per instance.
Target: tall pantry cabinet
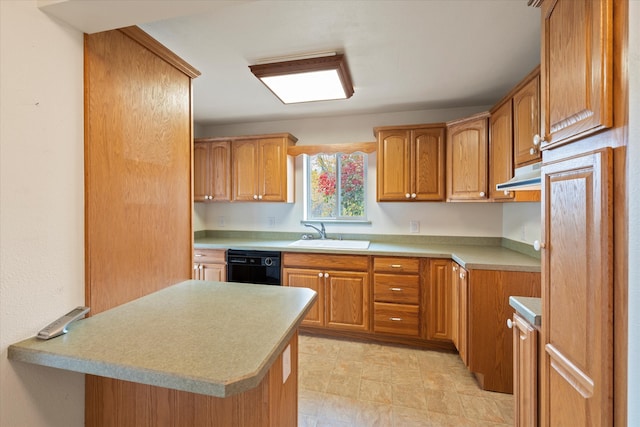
(584, 115)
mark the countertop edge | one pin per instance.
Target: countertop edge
(171, 380)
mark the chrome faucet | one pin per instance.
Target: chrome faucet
(321, 230)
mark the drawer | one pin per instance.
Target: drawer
(213, 256)
(326, 262)
(398, 288)
(398, 319)
(396, 265)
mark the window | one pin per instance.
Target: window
(335, 187)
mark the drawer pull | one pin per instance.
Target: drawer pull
(197, 255)
(395, 319)
(396, 265)
(396, 289)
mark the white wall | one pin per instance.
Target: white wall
(440, 219)
(633, 182)
(41, 219)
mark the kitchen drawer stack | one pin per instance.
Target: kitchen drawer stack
(396, 296)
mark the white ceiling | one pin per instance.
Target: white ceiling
(403, 55)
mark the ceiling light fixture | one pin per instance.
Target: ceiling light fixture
(320, 78)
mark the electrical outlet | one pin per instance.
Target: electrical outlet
(271, 221)
(221, 221)
(414, 226)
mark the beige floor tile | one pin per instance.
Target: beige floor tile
(338, 409)
(375, 391)
(481, 409)
(376, 372)
(348, 367)
(444, 402)
(344, 385)
(409, 396)
(310, 402)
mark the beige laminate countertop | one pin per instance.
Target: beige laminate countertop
(210, 338)
(479, 257)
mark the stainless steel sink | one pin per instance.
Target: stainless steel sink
(331, 244)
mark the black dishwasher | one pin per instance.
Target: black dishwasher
(261, 267)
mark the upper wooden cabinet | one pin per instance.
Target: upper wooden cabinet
(526, 121)
(211, 170)
(261, 169)
(501, 150)
(411, 162)
(576, 69)
(467, 153)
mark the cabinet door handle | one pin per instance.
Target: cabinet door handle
(482, 194)
(462, 275)
(396, 266)
(396, 289)
(408, 196)
(413, 195)
(326, 275)
(260, 197)
(320, 274)
(395, 319)
(198, 255)
(255, 197)
(509, 323)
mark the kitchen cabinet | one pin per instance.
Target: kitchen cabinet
(411, 163)
(342, 283)
(576, 69)
(210, 264)
(262, 171)
(439, 312)
(396, 291)
(211, 170)
(501, 150)
(526, 121)
(525, 372)
(462, 286)
(487, 307)
(467, 158)
(577, 295)
(455, 304)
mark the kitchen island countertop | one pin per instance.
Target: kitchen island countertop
(469, 256)
(211, 338)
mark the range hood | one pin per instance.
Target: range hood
(525, 178)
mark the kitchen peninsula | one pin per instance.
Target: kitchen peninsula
(229, 351)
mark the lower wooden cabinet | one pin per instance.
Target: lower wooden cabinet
(396, 293)
(525, 372)
(210, 264)
(342, 283)
(439, 310)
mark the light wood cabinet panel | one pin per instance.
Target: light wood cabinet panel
(576, 69)
(347, 300)
(262, 170)
(488, 310)
(314, 280)
(525, 373)
(577, 296)
(211, 170)
(401, 289)
(501, 150)
(463, 331)
(455, 304)
(526, 123)
(411, 162)
(210, 264)
(439, 308)
(467, 152)
(343, 301)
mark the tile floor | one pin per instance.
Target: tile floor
(346, 383)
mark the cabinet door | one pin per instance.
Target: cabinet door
(463, 337)
(393, 170)
(220, 171)
(347, 300)
(467, 150)
(501, 151)
(312, 279)
(576, 68)
(455, 304)
(427, 164)
(577, 291)
(272, 170)
(245, 178)
(201, 169)
(439, 311)
(213, 272)
(525, 373)
(526, 123)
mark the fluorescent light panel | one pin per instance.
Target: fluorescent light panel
(305, 80)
